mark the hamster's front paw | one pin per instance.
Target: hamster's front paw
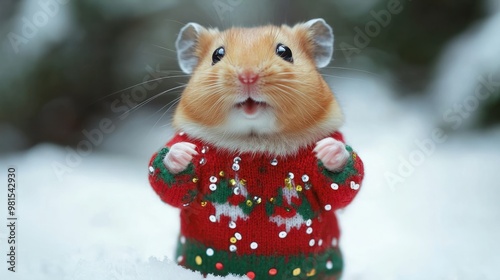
(332, 153)
(179, 156)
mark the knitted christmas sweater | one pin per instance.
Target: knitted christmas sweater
(255, 214)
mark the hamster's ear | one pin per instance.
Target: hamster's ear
(321, 35)
(186, 44)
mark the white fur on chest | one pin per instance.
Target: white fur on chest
(236, 134)
(264, 123)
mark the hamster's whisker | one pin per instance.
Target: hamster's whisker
(353, 69)
(212, 85)
(295, 81)
(171, 103)
(158, 46)
(303, 97)
(176, 22)
(138, 106)
(219, 91)
(360, 71)
(297, 73)
(140, 84)
(301, 93)
(289, 99)
(286, 96)
(217, 87)
(339, 49)
(216, 106)
(176, 71)
(341, 77)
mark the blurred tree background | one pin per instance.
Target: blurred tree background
(66, 63)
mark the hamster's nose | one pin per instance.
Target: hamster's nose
(248, 77)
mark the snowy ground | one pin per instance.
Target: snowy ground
(103, 221)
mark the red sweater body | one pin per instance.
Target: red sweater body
(253, 205)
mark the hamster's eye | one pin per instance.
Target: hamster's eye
(218, 55)
(284, 52)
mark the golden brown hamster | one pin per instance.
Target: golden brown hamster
(257, 165)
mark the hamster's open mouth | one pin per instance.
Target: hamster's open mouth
(251, 107)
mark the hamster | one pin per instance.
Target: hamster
(257, 165)
(249, 97)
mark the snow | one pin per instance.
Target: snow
(103, 221)
(442, 220)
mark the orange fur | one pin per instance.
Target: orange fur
(300, 98)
